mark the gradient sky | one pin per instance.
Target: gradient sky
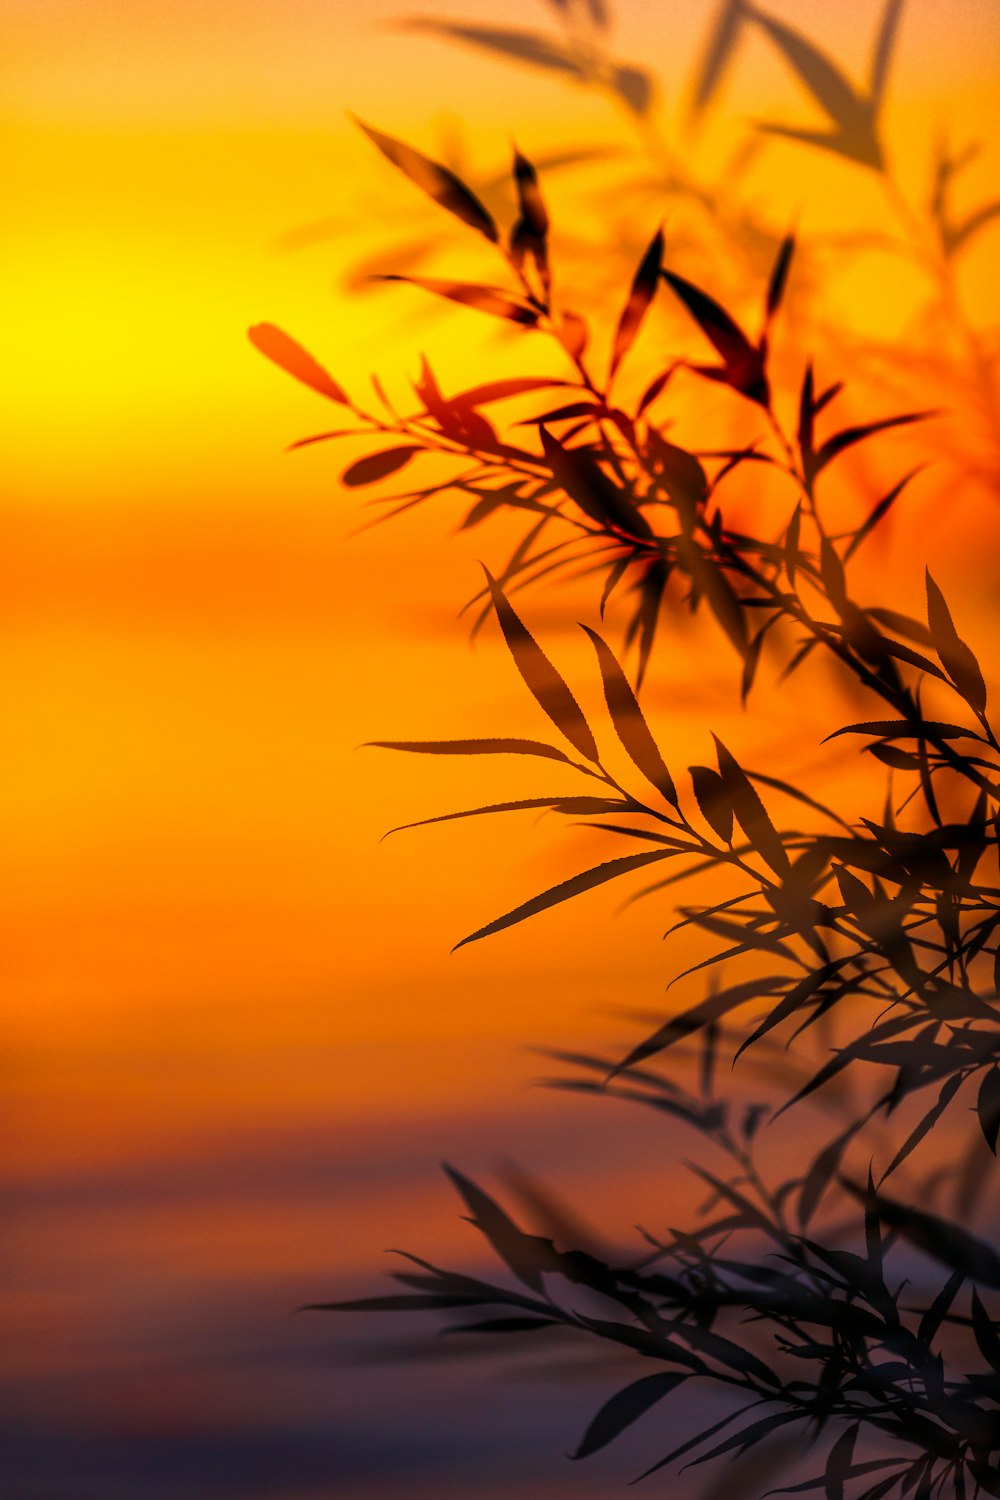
(210, 959)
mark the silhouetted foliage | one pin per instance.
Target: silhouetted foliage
(876, 1333)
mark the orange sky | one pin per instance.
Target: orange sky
(204, 939)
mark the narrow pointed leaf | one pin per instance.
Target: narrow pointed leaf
(750, 811)
(956, 657)
(549, 689)
(779, 277)
(474, 747)
(714, 800)
(565, 890)
(295, 361)
(824, 80)
(630, 725)
(884, 43)
(640, 296)
(841, 441)
(484, 299)
(435, 180)
(377, 466)
(624, 1408)
(718, 53)
(988, 1107)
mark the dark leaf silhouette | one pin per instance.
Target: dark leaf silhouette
(485, 299)
(988, 1107)
(641, 294)
(627, 717)
(956, 657)
(779, 277)
(946, 1242)
(714, 800)
(546, 685)
(635, 88)
(566, 889)
(378, 465)
(435, 180)
(474, 747)
(624, 1408)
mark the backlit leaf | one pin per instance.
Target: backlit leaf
(631, 726)
(435, 180)
(565, 890)
(294, 360)
(485, 299)
(377, 466)
(642, 291)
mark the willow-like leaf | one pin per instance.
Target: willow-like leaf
(624, 1408)
(437, 181)
(547, 686)
(630, 725)
(640, 296)
(565, 890)
(290, 356)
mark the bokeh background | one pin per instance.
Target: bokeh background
(235, 1046)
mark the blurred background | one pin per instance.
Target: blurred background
(235, 1046)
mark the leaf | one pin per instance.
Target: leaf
(841, 441)
(522, 46)
(294, 360)
(584, 481)
(377, 466)
(705, 1013)
(725, 336)
(484, 299)
(713, 799)
(631, 726)
(433, 179)
(956, 657)
(838, 1463)
(718, 53)
(529, 235)
(750, 811)
(820, 1174)
(545, 684)
(930, 1119)
(988, 1107)
(526, 1255)
(624, 1408)
(572, 334)
(877, 512)
(779, 277)
(902, 729)
(640, 296)
(500, 390)
(986, 1334)
(957, 236)
(473, 747)
(938, 1238)
(635, 87)
(884, 43)
(572, 806)
(565, 890)
(824, 80)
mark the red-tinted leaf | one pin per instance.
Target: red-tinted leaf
(640, 296)
(435, 180)
(850, 435)
(779, 276)
(294, 360)
(378, 465)
(485, 299)
(585, 481)
(956, 657)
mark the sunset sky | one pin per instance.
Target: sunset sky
(236, 1045)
